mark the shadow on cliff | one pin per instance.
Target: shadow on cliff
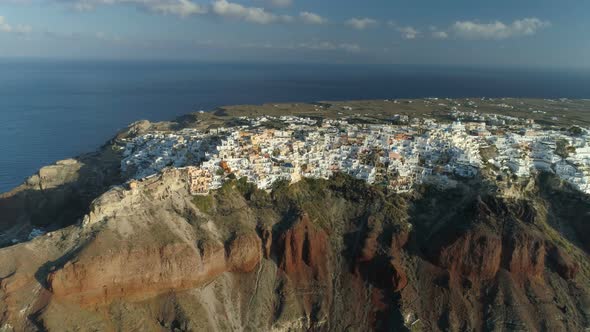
(55, 203)
(473, 244)
(45, 270)
(569, 210)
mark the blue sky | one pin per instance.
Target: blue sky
(503, 32)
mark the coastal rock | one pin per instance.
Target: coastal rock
(58, 195)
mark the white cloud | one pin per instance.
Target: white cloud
(181, 8)
(18, 29)
(249, 14)
(311, 18)
(497, 29)
(185, 8)
(440, 34)
(361, 23)
(17, 2)
(3, 25)
(408, 32)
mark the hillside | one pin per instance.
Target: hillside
(86, 248)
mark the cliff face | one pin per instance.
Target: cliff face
(57, 196)
(142, 272)
(320, 255)
(303, 256)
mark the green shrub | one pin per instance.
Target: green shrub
(203, 203)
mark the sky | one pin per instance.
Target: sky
(545, 33)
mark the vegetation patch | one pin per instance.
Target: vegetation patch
(204, 203)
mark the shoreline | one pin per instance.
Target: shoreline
(380, 110)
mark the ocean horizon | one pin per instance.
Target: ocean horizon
(56, 109)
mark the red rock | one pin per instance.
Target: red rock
(303, 253)
(565, 266)
(399, 279)
(475, 255)
(144, 271)
(398, 241)
(244, 253)
(524, 256)
(370, 246)
(266, 236)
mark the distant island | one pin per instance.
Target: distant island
(406, 214)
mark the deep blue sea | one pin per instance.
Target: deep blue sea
(51, 110)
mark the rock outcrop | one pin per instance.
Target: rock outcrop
(317, 255)
(565, 266)
(524, 256)
(303, 254)
(58, 195)
(475, 255)
(144, 272)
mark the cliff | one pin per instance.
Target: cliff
(325, 255)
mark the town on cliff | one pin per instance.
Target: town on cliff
(399, 153)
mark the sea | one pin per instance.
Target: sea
(56, 109)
